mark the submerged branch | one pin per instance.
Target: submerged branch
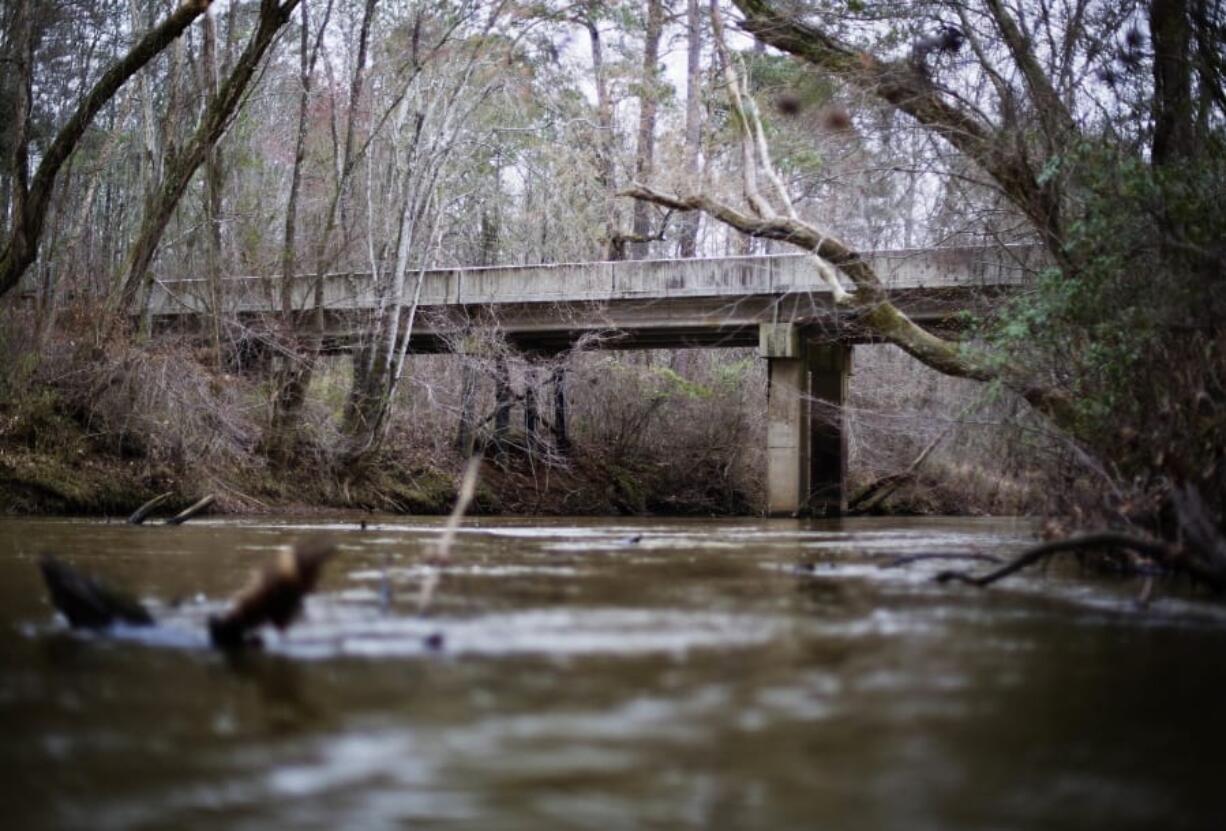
(1105, 540)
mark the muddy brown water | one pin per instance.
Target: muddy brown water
(694, 678)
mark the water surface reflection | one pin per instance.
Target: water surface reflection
(704, 674)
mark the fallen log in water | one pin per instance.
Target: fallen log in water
(187, 513)
(142, 513)
(86, 602)
(274, 596)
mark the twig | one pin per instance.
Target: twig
(188, 513)
(142, 513)
(468, 487)
(1105, 539)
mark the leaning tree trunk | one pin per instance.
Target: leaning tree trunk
(29, 206)
(645, 152)
(181, 167)
(867, 305)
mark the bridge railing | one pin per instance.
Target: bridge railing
(772, 274)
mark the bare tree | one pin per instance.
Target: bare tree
(688, 244)
(435, 102)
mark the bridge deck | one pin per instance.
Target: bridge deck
(698, 302)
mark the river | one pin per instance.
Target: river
(607, 674)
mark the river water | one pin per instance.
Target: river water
(603, 674)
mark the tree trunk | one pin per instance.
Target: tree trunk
(645, 151)
(295, 376)
(1174, 110)
(213, 182)
(688, 246)
(21, 53)
(606, 174)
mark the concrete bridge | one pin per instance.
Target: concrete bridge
(775, 302)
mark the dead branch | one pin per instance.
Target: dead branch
(1104, 540)
(468, 487)
(189, 512)
(88, 603)
(142, 513)
(274, 595)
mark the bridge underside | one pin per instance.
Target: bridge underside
(807, 345)
(694, 322)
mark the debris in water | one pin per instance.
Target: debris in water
(86, 602)
(274, 595)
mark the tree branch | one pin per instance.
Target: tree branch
(909, 89)
(1160, 552)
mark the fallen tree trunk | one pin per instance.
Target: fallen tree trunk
(142, 513)
(189, 512)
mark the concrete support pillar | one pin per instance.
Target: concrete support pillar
(787, 419)
(806, 457)
(829, 373)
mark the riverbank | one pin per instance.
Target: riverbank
(76, 481)
(97, 432)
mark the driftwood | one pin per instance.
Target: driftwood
(187, 513)
(86, 602)
(142, 513)
(274, 595)
(1160, 552)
